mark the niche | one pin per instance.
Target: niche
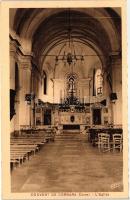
(72, 118)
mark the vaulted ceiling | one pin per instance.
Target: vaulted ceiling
(98, 28)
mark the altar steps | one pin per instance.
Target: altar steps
(76, 131)
(71, 136)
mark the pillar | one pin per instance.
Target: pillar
(12, 64)
(12, 77)
(25, 88)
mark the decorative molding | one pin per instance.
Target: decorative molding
(18, 48)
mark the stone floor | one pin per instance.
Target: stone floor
(70, 164)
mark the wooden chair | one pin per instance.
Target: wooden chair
(103, 142)
(99, 141)
(49, 135)
(117, 142)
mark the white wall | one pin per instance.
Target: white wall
(117, 87)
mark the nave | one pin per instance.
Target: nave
(66, 100)
(69, 164)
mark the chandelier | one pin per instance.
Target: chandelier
(69, 55)
(69, 58)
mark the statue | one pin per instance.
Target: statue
(71, 85)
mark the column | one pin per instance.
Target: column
(12, 77)
(25, 88)
(13, 47)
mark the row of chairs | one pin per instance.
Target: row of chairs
(105, 144)
(26, 145)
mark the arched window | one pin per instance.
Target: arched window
(44, 83)
(98, 82)
(71, 84)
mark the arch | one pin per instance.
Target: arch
(49, 26)
(54, 25)
(89, 43)
(27, 26)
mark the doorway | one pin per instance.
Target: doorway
(47, 117)
(97, 116)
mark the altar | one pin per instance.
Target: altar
(72, 118)
(74, 112)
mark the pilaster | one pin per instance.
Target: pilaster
(117, 88)
(13, 49)
(25, 88)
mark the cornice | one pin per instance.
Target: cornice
(16, 47)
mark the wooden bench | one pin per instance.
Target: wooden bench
(19, 152)
(25, 145)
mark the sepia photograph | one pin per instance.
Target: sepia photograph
(66, 121)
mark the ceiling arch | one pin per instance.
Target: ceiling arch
(80, 67)
(46, 27)
(62, 42)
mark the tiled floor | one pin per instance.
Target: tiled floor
(70, 164)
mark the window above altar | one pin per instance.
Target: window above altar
(98, 82)
(71, 84)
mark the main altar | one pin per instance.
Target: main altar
(72, 113)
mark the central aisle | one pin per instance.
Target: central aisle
(69, 164)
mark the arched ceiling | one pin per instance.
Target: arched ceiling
(82, 68)
(99, 28)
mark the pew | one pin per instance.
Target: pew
(27, 143)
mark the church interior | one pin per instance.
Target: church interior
(66, 130)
